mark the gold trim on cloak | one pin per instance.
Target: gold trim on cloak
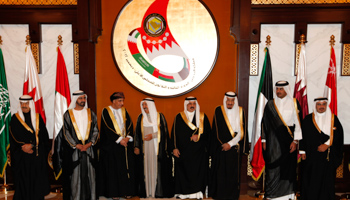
(284, 123)
(23, 123)
(75, 125)
(114, 121)
(143, 136)
(315, 124)
(241, 118)
(319, 130)
(332, 131)
(296, 109)
(228, 124)
(192, 126)
(30, 130)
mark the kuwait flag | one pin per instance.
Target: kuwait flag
(265, 93)
(32, 85)
(330, 90)
(5, 117)
(62, 101)
(300, 82)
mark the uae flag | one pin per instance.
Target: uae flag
(62, 101)
(265, 93)
(32, 85)
(330, 90)
(300, 82)
(5, 117)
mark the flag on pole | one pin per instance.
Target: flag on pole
(62, 101)
(62, 94)
(300, 91)
(5, 117)
(32, 85)
(265, 93)
(330, 90)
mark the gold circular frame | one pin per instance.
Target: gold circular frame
(189, 34)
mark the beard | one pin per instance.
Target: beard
(82, 104)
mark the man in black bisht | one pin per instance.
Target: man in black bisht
(229, 141)
(189, 143)
(281, 132)
(80, 134)
(29, 150)
(116, 162)
(154, 171)
(322, 147)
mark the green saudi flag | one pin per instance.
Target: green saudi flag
(5, 117)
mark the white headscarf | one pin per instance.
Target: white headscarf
(285, 105)
(197, 112)
(24, 99)
(233, 114)
(152, 113)
(323, 120)
(76, 95)
(285, 86)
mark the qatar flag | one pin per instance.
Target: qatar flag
(300, 82)
(32, 85)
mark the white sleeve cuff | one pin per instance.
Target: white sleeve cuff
(231, 143)
(301, 152)
(130, 138)
(119, 139)
(327, 143)
(263, 140)
(155, 135)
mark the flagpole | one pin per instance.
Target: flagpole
(332, 41)
(261, 194)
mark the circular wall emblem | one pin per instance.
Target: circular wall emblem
(165, 48)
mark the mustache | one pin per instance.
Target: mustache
(192, 107)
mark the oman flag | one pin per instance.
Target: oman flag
(265, 93)
(330, 90)
(32, 85)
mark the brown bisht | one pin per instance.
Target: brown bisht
(116, 177)
(280, 165)
(319, 168)
(191, 168)
(31, 178)
(78, 168)
(165, 185)
(225, 172)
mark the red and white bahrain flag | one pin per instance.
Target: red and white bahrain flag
(32, 85)
(300, 91)
(330, 90)
(62, 95)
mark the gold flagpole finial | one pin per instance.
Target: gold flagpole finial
(28, 41)
(302, 39)
(268, 40)
(0, 41)
(332, 41)
(59, 41)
